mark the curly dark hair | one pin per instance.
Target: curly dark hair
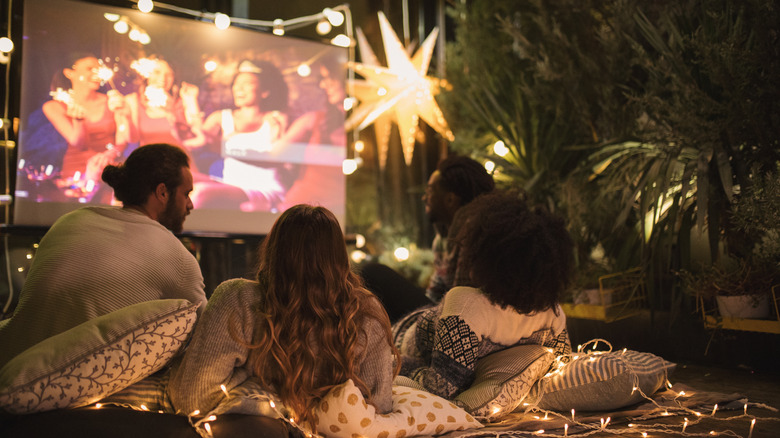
(517, 255)
(144, 170)
(465, 177)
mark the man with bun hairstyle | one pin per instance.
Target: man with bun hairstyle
(99, 259)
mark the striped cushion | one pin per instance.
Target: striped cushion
(503, 379)
(604, 381)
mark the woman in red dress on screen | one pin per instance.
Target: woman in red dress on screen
(95, 126)
(158, 114)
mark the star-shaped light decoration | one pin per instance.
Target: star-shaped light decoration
(403, 87)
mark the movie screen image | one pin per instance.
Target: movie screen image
(260, 116)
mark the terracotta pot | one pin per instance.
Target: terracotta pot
(744, 306)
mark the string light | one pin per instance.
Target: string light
(752, 423)
(500, 149)
(145, 6)
(6, 45)
(221, 20)
(278, 27)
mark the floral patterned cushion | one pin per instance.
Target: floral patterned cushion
(97, 358)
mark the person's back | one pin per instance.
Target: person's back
(91, 262)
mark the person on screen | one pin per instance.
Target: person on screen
(99, 259)
(158, 111)
(95, 125)
(250, 135)
(303, 326)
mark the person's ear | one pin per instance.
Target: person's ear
(161, 193)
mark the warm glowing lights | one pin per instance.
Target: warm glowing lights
(278, 27)
(349, 166)
(221, 20)
(208, 428)
(360, 240)
(224, 390)
(304, 70)
(566, 429)
(360, 146)
(111, 17)
(572, 415)
(323, 27)
(685, 424)
(349, 103)
(752, 423)
(500, 149)
(402, 254)
(98, 405)
(6, 45)
(144, 408)
(210, 66)
(341, 40)
(335, 18)
(745, 408)
(540, 431)
(121, 27)
(358, 256)
(714, 409)
(490, 166)
(145, 6)
(211, 418)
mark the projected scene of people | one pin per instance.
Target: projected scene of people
(259, 116)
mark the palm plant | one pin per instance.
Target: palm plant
(669, 108)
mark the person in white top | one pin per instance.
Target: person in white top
(250, 136)
(96, 260)
(518, 262)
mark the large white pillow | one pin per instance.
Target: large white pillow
(97, 358)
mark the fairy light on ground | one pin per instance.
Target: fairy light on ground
(752, 423)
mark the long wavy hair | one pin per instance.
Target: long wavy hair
(309, 326)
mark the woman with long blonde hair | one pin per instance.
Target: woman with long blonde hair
(305, 325)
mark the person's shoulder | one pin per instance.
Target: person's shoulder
(461, 300)
(239, 289)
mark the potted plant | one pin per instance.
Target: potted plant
(742, 283)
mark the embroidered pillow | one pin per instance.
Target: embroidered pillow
(503, 379)
(604, 381)
(97, 358)
(344, 413)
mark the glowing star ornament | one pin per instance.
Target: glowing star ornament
(401, 92)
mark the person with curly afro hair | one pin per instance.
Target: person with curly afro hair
(515, 262)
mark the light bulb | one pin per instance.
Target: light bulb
(490, 166)
(359, 146)
(341, 40)
(222, 21)
(349, 166)
(145, 5)
(500, 148)
(121, 27)
(335, 18)
(323, 27)
(304, 70)
(401, 254)
(278, 27)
